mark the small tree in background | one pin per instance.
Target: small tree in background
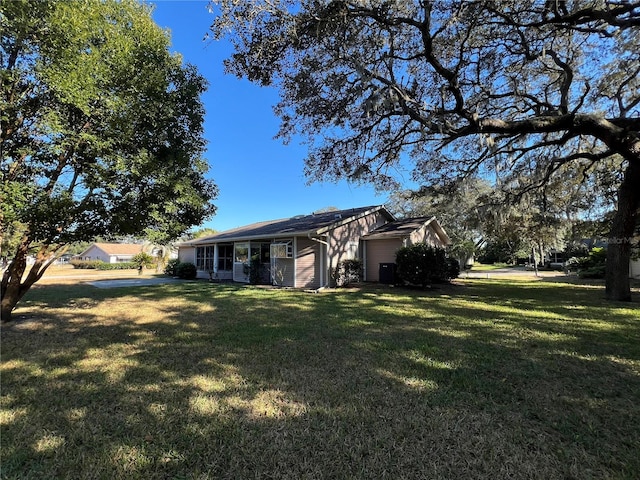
(143, 260)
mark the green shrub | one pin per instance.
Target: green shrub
(87, 264)
(347, 271)
(117, 266)
(422, 264)
(143, 260)
(453, 268)
(171, 267)
(254, 270)
(592, 266)
(593, 272)
(186, 271)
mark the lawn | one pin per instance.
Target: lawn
(485, 379)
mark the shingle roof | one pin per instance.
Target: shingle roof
(399, 228)
(119, 248)
(300, 225)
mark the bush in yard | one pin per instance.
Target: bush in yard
(254, 270)
(346, 272)
(592, 266)
(171, 268)
(453, 268)
(87, 264)
(422, 264)
(186, 271)
(117, 266)
(143, 260)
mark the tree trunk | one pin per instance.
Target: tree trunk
(13, 288)
(621, 236)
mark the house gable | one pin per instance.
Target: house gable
(111, 252)
(382, 243)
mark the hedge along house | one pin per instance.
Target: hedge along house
(296, 252)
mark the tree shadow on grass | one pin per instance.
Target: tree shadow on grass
(215, 381)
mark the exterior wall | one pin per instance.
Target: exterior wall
(187, 254)
(95, 253)
(308, 261)
(239, 274)
(426, 234)
(380, 251)
(283, 271)
(341, 237)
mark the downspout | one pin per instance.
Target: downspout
(322, 269)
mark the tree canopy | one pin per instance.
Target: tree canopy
(526, 92)
(102, 132)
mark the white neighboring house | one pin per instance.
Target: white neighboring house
(110, 252)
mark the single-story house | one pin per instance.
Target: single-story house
(110, 252)
(302, 251)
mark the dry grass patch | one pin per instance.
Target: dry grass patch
(495, 379)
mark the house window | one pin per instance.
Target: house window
(241, 254)
(204, 258)
(281, 250)
(260, 251)
(225, 257)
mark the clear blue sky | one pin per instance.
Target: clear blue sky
(259, 178)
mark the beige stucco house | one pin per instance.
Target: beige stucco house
(110, 252)
(302, 251)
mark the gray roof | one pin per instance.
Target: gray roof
(314, 224)
(399, 228)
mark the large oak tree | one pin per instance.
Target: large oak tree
(102, 132)
(524, 90)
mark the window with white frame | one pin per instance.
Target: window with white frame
(282, 250)
(204, 258)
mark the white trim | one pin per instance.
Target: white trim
(295, 262)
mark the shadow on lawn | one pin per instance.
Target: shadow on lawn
(216, 381)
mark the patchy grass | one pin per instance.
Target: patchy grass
(482, 267)
(488, 379)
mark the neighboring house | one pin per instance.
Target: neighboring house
(110, 252)
(302, 251)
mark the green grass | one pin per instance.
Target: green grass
(488, 379)
(482, 267)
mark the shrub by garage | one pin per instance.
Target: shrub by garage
(421, 264)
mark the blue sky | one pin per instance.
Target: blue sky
(259, 178)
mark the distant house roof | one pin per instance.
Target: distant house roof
(116, 248)
(404, 228)
(314, 224)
